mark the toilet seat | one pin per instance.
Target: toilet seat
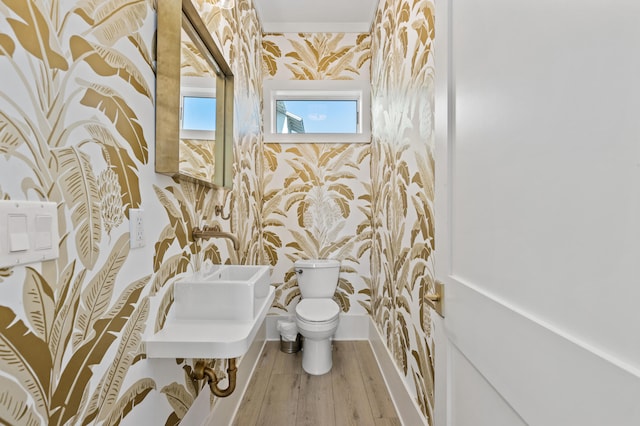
(317, 311)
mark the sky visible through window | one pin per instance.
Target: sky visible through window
(319, 116)
(326, 116)
(198, 113)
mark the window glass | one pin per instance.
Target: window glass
(316, 111)
(199, 113)
(316, 116)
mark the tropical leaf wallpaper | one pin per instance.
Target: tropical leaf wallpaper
(317, 200)
(77, 128)
(189, 204)
(198, 158)
(402, 187)
(369, 205)
(76, 108)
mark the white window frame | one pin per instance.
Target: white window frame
(197, 87)
(277, 90)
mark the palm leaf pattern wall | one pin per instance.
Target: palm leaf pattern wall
(244, 50)
(188, 204)
(69, 134)
(78, 309)
(197, 158)
(402, 187)
(316, 196)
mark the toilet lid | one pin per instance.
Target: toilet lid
(317, 310)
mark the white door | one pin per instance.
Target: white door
(538, 212)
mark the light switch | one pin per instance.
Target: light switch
(43, 232)
(18, 236)
(28, 232)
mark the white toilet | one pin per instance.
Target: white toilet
(317, 314)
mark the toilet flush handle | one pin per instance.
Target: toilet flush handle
(298, 271)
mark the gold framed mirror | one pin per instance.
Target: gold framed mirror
(193, 80)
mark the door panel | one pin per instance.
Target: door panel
(538, 205)
(546, 177)
(480, 403)
(547, 377)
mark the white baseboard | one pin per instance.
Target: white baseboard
(406, 406)
(350, 327)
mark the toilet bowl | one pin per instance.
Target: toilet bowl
(317, 321)
(317, 314)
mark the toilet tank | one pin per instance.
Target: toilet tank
(317, 278)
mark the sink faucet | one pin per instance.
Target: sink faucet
(215, 232)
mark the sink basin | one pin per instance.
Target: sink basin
(230, 292)
(216, 314)
(255, 275)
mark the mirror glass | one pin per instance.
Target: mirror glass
(194, 99)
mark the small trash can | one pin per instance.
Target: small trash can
(291, 347)
(290, 339)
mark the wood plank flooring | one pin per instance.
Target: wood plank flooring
(352, 393)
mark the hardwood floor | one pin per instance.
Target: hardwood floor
(352, 393)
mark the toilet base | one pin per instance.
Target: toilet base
(317, 356)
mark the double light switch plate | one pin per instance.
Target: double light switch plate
(28, 232)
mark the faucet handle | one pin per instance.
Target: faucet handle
(219, 209)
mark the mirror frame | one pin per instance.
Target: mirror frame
(171, 15)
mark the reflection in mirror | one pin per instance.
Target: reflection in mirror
(198, 76)
(198, 108)
(194, 99)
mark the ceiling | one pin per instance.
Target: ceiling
(316, 16)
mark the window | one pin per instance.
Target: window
(316, 111)
(198, 109)
(198, 113)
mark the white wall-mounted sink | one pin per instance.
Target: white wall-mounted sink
(215, 314)
(229, 292)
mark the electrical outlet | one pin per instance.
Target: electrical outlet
(136, 228)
